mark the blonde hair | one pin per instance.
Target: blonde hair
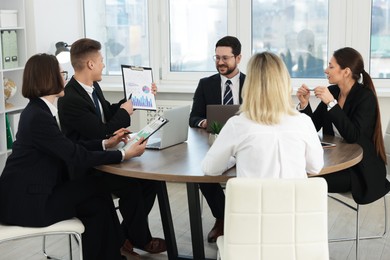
(267, 90)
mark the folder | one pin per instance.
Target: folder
(9, 132)
(9, 45)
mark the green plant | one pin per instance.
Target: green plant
(216, 127)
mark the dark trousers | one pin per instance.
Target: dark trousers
(338, 182)
(215, 197)
(83, 198)
(136, 199)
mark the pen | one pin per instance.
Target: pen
(111, 135)
(311, 89)
(131, 94)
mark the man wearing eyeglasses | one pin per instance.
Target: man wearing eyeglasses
(221, 88)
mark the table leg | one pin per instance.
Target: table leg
(195, 221)
(166, 219)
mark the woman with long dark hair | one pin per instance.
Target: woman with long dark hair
(350, 110)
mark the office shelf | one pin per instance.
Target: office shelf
(17, 102)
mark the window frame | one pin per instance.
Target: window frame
(349, 25)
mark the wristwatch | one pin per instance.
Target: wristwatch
(332, 104)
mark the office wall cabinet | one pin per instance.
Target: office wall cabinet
(13, 56)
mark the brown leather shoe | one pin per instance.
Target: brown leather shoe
(216, 231)
(155, 246)
(127, 251)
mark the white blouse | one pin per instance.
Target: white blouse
(290, 149)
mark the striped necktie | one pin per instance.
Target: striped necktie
(228, 96)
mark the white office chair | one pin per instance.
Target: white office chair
(275, 219)
(71, 227)
(348, 195)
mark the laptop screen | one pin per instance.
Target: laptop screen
(220, 114)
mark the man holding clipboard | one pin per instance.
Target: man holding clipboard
(85, 114)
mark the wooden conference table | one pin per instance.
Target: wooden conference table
(181, 163)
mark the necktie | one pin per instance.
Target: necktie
(228, 96)
(96, 101)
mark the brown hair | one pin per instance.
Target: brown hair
(232, 42)
(42, 77)
(350, 58)
(81, 50)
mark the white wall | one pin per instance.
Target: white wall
(50, 21)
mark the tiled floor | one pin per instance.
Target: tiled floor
(341, 223)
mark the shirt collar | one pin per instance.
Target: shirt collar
(87, 88)
(234, 80)
(52, 107)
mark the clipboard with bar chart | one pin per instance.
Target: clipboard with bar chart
(137, 84)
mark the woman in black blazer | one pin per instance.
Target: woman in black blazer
(350, 109)
(35, 189)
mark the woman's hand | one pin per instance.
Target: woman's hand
(121, 135)
(323, 94)
(136, 149)
(303, 95)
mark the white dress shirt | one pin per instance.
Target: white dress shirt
(290, 149)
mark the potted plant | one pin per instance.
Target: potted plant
(215, 130)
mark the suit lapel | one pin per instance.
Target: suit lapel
(215, 90)
(242, 78)
(81, 92)
(99, 93)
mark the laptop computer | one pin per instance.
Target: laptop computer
(220, 114)
(174, 132)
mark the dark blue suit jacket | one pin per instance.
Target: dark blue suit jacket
(356, 124)
(39, 163)
(208, 92)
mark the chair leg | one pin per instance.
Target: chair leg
(44, 250)
(70, 247)
(355, 209)
(78, 241)
(357, 231)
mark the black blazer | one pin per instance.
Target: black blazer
(38, 163)
(78, 117)
(356, 124)
(208, 92)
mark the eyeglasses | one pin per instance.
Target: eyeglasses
(64, 74)
(223, 58)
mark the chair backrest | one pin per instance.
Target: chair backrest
(276, 219)
(387, 147)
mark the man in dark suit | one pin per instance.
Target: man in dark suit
(222, 88)
(85, 114)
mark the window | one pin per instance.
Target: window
(380, 39)
(195, 27)
(121, 26)
(297, 30)
(177, 37)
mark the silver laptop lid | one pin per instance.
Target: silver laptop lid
(176, 130)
